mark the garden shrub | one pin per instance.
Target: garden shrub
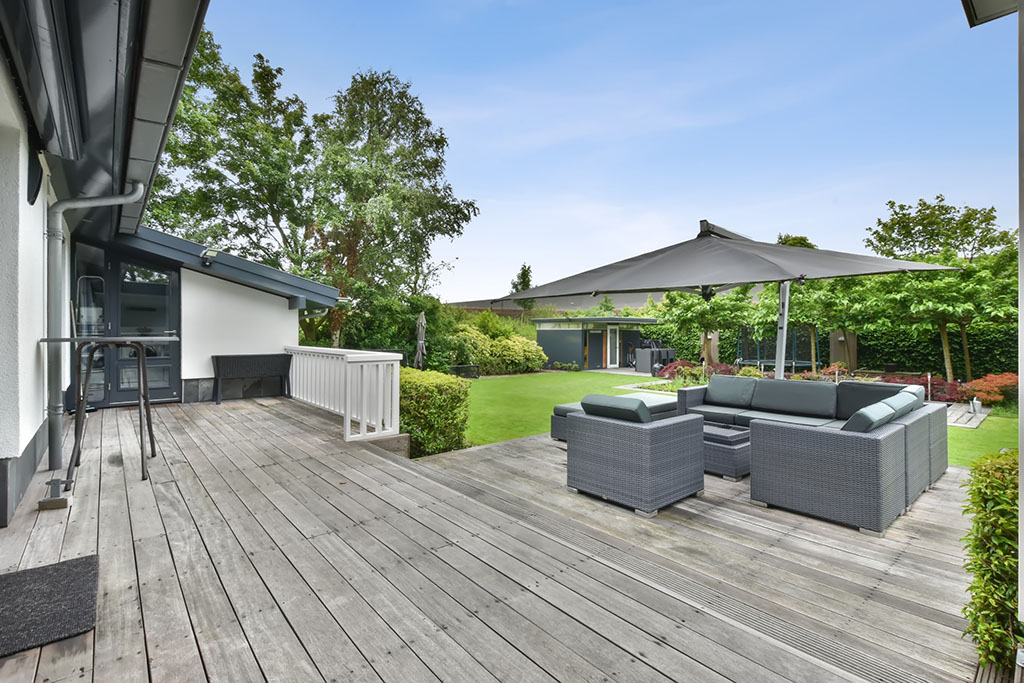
(434, 410)
(750, 371)
(514, 355)
(992, 560)
(991, 388)
(569, 367)
(673, 368)
(494, 326)
(720, 369)
(503, 356)
(941, 389)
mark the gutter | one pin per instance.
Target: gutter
(55, 306)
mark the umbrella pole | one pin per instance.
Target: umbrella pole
(780, 339)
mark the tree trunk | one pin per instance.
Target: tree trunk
(946, 358)
(814, 350)
(967, 353)
(706, 345)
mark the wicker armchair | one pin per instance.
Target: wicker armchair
(645, 466)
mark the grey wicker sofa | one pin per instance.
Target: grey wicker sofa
(857, 453)
(618, 452)
(661, 407)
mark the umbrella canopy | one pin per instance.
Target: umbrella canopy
(421, 333)
(719, 259)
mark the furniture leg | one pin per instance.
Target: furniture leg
(149, 409)
(141, 357)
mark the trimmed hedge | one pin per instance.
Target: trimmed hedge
(991, 548)
(434, 410)
(993, 350)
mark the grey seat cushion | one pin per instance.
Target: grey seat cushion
(902, 403)
(722, 414)
(743, 419)
(869, 417)
(565, 408)
(729, 390)
(617, 407)
(851, 395)
(656, 403)
(834, 424)
(915, 391)
(793, 397)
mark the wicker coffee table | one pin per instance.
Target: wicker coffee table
(726, 450)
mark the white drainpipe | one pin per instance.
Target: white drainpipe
(55, 310)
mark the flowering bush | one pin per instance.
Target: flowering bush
(991, 388)
(672, 370)
(941, 390)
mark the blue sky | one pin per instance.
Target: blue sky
(593, 131)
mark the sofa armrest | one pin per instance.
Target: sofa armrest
(690, 397)
(853, 478)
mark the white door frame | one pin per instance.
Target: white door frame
(618, 345)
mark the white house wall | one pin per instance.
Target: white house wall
(23, 284)
(221, 317)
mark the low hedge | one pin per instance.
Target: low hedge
(434, 409)
(991, 550)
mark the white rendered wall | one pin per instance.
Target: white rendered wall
(221, 317)
(23, 283)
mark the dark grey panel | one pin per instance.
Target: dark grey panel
(16, 474)
(595, 350)
(563, 346)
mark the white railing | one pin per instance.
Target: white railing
(361, 386)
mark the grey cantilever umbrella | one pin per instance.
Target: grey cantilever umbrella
(719, 259)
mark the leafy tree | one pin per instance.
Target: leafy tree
(795, 241)
(522, 282)
(720, 313)
(984, 288)
(236, 169)
(380, 194)
(353, 197)
(929, 229)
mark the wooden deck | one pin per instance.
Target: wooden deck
(265, 547)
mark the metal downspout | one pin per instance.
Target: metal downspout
(55, 310)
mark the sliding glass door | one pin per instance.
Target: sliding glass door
(121, 297)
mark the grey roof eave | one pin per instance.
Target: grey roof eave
(615, 320)
(188, 255)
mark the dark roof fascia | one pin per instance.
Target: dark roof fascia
(226, 267)
(615, 320)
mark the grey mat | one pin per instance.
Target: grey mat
(46, 604)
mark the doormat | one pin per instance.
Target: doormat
(46, 604)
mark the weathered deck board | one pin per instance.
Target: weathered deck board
(264, 546)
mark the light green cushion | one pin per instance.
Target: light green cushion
(869, 417)
(902, 403)
(917, 392)
(851, 395)
(729, 390)
(617, 407)
(721, 414)
(834, 424)
(795, 397)
(744, 418)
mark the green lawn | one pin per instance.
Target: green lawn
(502, 408)
(995, 433)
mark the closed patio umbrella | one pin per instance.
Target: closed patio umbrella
(718, 259)
(421, 333)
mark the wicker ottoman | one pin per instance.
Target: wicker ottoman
(726, 450)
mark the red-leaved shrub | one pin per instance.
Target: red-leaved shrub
(991, 388)
(941, 390)
(672, 369)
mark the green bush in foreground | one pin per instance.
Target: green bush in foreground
(992, 558)
(434, 410)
